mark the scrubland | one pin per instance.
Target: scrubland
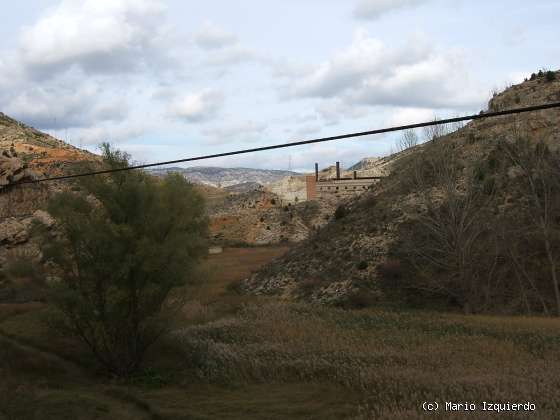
(237, 356)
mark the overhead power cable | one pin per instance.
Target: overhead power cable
(304, 142)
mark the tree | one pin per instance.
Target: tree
(409, 139)
(124, 248)
(540, 183)
(445, 250)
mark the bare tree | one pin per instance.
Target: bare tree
(449, 234)
(409, 139)
(540, 179)
(434, 132)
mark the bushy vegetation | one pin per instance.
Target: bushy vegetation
(263, 358)
(125, 247)
(487, 239)
(340, 212)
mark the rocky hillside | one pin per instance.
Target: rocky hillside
(259, 217)
(40, 152)
(343, 261)
(291, 189)
(226, 177)
(374, 166)
(28, 154)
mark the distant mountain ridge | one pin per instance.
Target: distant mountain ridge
(227, 177)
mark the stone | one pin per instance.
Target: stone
(44, 218)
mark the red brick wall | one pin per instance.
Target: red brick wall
(311, 187)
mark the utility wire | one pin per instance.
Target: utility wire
(304, 142)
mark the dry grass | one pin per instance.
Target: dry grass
(394, 360)
(235, 356)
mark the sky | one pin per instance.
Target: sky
(167, 79)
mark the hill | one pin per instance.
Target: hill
(39, 151)
(227, 177)
(403, 239)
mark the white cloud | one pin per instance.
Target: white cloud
(97, 36)
(211, 36)
(229, 56)
(198, 107)
(365, 56)
(370, 72)
(373, 9)
(113, 134)
(308, 130)
(405, 116)
(56, 107)
(222, 48)
(240, 131)
(333, 111)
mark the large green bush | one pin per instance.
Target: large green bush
(126, 244)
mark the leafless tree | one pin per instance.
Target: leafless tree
(540, 179)
(409, 139)
(449, 233)
(434, 132)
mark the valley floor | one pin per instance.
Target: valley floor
(233, 356)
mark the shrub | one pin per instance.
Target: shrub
(489, 185)
(358, 299)
(308, 286)
(340, 212)
(390, 270)
(235, 287)
(121, 257)
(550, 76)
(23, 265)
(362, 265)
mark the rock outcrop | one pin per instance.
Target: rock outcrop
(14, 170)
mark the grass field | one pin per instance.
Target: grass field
(243, 357)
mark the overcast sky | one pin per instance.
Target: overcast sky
(165, 79)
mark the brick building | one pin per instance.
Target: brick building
(339, 187)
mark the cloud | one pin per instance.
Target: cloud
(405, 116)
(104, 133)
(335, 110)
(240, 131)
(373, 9)
(308, 130)
(211, 37)
(56, 107)
(96, 36)
(369, 72)
(347, 68)
(230, 56)
(221, 47)
(198, 107)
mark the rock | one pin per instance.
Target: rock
(13, 169)
(44, 218)
(13, 231)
